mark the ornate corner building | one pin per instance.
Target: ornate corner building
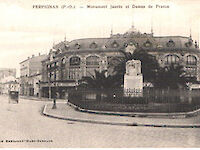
(70, 61)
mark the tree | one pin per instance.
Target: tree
(149, 66)
(100, 80)
(171, 77)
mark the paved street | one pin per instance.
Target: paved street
(24, 121)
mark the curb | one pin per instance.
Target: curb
(85, 121)
(121, 124)
(137, 114)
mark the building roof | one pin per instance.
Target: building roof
(121, 41)
(168, 42)
(33, 58)
(179, 42)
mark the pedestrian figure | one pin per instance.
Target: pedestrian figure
(54, 100)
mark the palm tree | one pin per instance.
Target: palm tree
(171, 77)
(149, 66)
(100, 84)
(100, 80)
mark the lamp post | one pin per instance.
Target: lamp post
(54, 98)
(40, 91)
(55, 88)
(49, 86)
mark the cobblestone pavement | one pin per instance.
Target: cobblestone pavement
(24, 122)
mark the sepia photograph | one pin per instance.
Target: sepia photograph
(99, 74)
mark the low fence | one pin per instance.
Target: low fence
(150, 100)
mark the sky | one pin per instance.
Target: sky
(26, 31)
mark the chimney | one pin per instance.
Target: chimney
(32, 56)
(39, 54)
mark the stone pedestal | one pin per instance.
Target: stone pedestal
(133, 79)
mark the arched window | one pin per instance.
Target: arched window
(74, 61)
(62, 70)
(92, 60)
(92, 64)
(171, 59)
(191, 60)
(74, 68)
(63, 61)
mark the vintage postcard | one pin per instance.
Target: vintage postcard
(99, 74)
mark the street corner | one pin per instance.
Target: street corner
(67, 112)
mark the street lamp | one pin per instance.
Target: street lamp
(55, 86)
(49, 82)
(54, 98)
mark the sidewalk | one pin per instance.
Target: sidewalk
(66, 112)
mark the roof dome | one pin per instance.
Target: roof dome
(133, 30)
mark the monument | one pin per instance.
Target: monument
(133, 79)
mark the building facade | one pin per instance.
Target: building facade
(70, 61)
(7, 75)
(9, 83)
(5, 72)
(30, 75)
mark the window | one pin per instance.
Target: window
(77, 46)
(75, 61)
(171, 59)
(75, 73)
(74, 69)
(52, 76)
(92, 60)
(92, 63)
(115, 44)
(93, 45)
(170, 43)
(63, 69)
(191, 71)
(63, 62)
(188, 44)
(191, 60)
(57, 75)
(62, 74)
(147, 44)
(49, 74)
